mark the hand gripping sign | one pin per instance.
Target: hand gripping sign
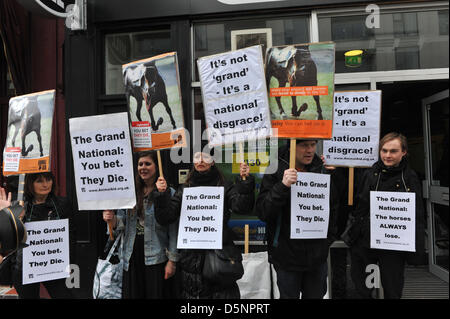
(310, 206)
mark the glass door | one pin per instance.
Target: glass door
(435, 114)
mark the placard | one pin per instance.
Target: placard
(310, 206)
(300, 79)
(235, 96)
(201, 218)
(47, 256)
(29, 132)
(393, 221)
(103, 162)
(356, 129)
(152, 88)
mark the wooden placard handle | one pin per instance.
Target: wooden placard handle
(241, 157)
(351, 182)
(292, 153)
(160, 164)
(110, 228)
(246, 242)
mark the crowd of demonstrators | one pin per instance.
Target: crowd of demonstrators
(152, 262)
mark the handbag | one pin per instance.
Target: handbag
(223, 266)
(108, 275)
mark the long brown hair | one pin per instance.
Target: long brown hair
(139, 182)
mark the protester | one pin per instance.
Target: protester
(5, 201)
(239, 198)
(300, 264)
(149, 249)
(392, 174)
(42, 204)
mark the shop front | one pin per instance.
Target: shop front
(401, 49)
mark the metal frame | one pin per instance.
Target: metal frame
(433, 268)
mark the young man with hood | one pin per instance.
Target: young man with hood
(301, 264)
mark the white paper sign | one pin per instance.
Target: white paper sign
(11, 159)
(356, 129)
(235, 96)
(47, 256)
(103, 162)
(201, 218)
(310, 206)
(393, 221)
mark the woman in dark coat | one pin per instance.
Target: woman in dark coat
(390, 174)
(239, 198)
(41, 203)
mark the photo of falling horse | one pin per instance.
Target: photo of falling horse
(145, 84)
(25, 116)
(293, 65)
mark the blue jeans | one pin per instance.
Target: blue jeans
(312, 284)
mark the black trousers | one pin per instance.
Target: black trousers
(312, 283)
(57, 289)
(391, 265)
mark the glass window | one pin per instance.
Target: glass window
(404, 40)
(216, 37)
(121, 48)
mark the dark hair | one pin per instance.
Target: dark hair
(31, 178)
(139, 182)
(214, 170)
(392, 136)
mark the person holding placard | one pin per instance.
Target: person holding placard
(238, 198)
(301, 264)
(390, 174)
(149, 249)
(42, 204)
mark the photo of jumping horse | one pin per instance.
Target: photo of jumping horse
(25, 116)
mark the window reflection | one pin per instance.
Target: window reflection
(405, 40)
(122, 48)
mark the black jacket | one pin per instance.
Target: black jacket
(239, 198)
(396, 179)
(273, 207)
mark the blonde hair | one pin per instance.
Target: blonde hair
(392, 136)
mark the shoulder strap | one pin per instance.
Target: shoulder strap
(116, 242)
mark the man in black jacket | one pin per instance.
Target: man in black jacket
(301, 264)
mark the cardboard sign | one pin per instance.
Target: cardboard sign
(29, 131)
(47, 256)
(103, 162)
(393, 221)
(152, 87)
(201, 218)
(356, 129)
(235, 96)
(310, 206)
(300, 80)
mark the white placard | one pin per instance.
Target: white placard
(310, 206)
(201, 218)
(356, 129)
(103, 162)
(11, 159)
(235, 96)
(47, 256)
(393, 221)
